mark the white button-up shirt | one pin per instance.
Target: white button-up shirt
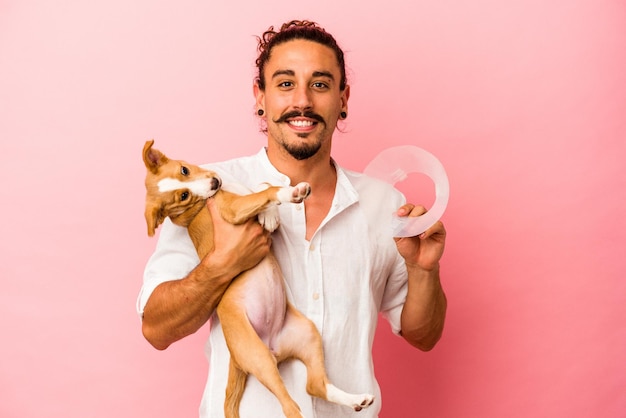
(341, 279)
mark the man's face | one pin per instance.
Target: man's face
(302, 100)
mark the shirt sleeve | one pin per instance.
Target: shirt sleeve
(396, 288)
(395, 294)
(174, 257)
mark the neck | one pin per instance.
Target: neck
(317, 171)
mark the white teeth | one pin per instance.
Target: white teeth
(301, 123)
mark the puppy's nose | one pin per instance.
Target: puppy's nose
(215, 183)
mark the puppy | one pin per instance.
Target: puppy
(254, 312)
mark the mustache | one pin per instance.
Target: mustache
(296, 113)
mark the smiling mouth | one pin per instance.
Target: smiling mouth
(301, 123)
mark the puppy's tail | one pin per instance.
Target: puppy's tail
(234, 390)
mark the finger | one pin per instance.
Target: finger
(405, 209)
(436, 229)
(210, 203)
(214, 210)
(412, 210)
(418, 211)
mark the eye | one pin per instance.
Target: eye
(184, 171)
(319, 85)
(184, 196)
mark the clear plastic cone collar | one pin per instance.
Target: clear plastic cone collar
(395, 164)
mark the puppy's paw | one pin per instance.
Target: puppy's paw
(300, 192)
(295, 194)
(365, 401)
(269, 218)
(355, 401)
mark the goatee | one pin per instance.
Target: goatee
(302, 151)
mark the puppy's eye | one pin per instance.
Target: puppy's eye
(184, 171)
(184, 196)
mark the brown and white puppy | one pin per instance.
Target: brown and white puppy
(254, 312)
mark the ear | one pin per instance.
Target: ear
(153, 158)
(154, 217)
(345, 95)
(259, 95)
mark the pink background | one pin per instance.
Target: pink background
(523, 102)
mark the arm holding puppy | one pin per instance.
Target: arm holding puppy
(179, 308)
(424, 311)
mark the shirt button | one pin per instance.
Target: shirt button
(312, 247)
(299, 206)
(316, 296)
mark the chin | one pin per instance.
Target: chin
(303, 151)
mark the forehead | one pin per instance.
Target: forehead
(302, 56)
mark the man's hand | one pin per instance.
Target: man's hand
(423, 251)
(241, 246)
(424, 310)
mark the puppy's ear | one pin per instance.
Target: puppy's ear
(154, 217)
(153, 158)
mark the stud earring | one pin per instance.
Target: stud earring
(343, 115)
(260, 112)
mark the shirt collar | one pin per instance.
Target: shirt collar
(276, 177)
(345, 193)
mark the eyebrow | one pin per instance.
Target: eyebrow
(293, 73)
(283, 72)
(326, 74)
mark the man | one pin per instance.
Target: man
(340, 263)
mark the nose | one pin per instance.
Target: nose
(216, 182)
(302, 97)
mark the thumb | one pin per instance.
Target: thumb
(213, 209)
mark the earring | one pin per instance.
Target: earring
(260, 112)
(343, 115)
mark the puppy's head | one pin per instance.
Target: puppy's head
(174, 188)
